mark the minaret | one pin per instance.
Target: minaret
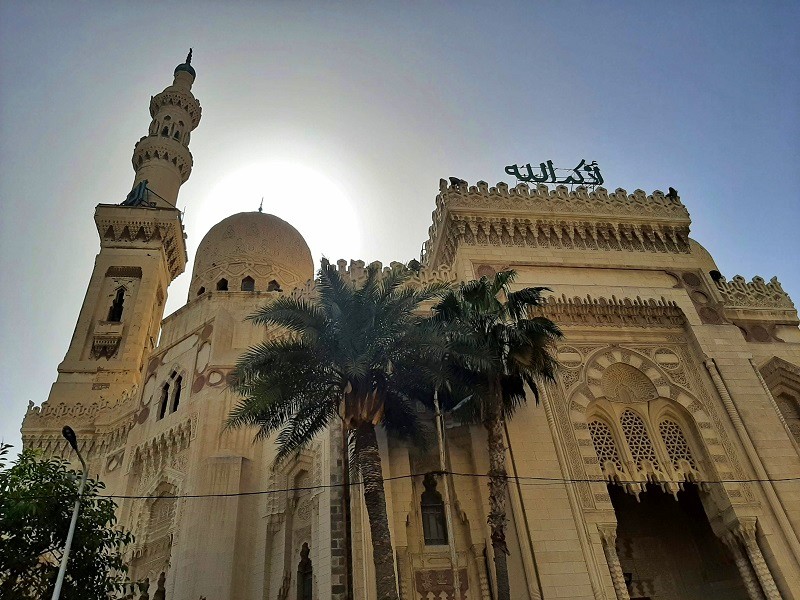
(162, 158)
(142, 250)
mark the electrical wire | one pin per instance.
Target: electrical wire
(524, 480)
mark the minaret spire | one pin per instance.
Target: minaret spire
(162, 158)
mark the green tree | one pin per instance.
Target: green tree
(36, 501)
(494, 323)
(355, 352)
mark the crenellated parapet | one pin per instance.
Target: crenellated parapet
(356, 271)
(739, 293)
(554, 218)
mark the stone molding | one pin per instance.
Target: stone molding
(122, 226)
(602, 312)
(554, 218)
(777, 371)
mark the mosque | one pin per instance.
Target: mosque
(663, 463)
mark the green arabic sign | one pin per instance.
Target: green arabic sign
(583, 174)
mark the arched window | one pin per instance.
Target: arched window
(248, 284)
(176, 395)
(162, 409)
(305, 575)
(165, 132)
(434, 528)
(170, 395)
(791, 412)
(201, 291)
(222, 285)
(177, 135)
(115, 312)
(274, 286)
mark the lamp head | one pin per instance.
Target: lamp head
(69, 435)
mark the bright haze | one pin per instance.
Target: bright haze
(344, 116)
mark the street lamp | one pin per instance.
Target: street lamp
(69, 435)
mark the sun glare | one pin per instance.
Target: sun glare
(312, 202)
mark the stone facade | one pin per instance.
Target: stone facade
(678, 396)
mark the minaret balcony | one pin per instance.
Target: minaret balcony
(163, 149)
(180, 98)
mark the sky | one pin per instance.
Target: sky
(344, 116)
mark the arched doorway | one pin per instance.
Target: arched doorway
(667, 549)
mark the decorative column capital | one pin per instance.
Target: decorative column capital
(745, 529)
(608, 533)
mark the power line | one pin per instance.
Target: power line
(525, 480)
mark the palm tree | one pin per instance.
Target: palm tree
(358, 353)
(493, 321)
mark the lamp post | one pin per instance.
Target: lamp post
(69, 435)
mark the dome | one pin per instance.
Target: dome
(251, 251)
(186, 67)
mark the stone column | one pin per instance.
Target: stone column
(483, 577)
(745, 568)
(746, 532)
(608, 534)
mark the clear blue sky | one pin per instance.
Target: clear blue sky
(378, 101)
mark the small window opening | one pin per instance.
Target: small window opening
(248, 284)
(168, 118)
(222, 285)
(177, 394)
(305, 575)
(162, 409)
(201, 291)
(165, 132)
(434, 527)
(274, 286)
(115, 312)
(177, 135)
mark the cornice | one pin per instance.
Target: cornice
(134, 226)
(544, 217)
(614, 312)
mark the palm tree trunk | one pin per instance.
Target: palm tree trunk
(498, 488)
(369, 460)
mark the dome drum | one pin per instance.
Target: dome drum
(251, 252)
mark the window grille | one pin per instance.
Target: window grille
(677, 446)
(638, 441)
(604, 444)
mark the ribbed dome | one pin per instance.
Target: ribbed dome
(251, 244)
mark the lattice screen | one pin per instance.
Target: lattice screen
(604, 444)
(638, 441)
(677, 446)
